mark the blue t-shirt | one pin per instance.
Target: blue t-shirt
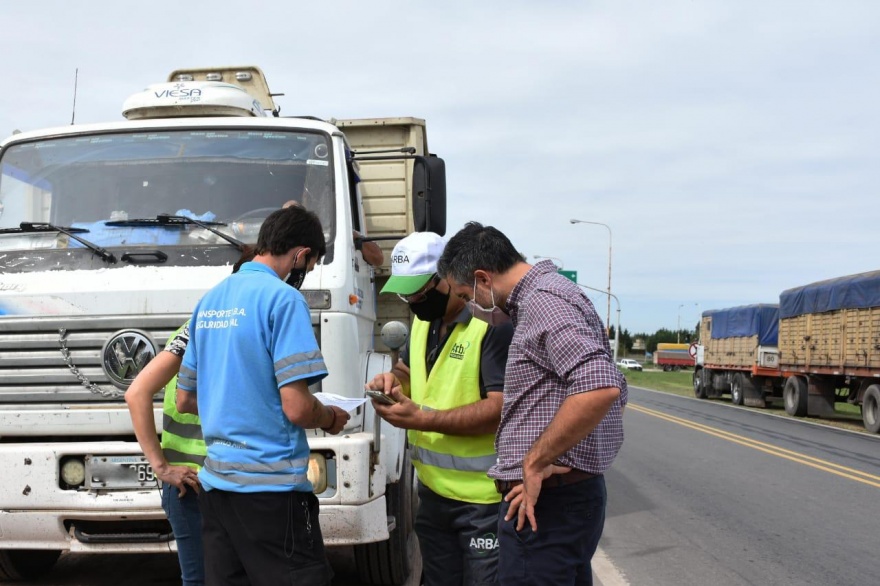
(249, 336)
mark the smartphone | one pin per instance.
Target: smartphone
(381, 397)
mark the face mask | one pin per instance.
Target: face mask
(433, 307)
(296, 277)
(494, 316)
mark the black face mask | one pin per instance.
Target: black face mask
(433, 307)
(296, 277)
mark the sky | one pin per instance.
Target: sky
(732, 148)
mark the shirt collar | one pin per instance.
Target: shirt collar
(528, 282)
(257, 267)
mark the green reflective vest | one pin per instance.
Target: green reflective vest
(182, 441)
(453, 466)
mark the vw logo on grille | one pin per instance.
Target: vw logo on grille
(125, 354)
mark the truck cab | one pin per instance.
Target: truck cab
(109, 235)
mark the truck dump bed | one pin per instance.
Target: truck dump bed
(831, 324)
(731, 337)
(385, 187)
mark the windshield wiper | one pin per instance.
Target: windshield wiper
(35, 227)
(168, 220)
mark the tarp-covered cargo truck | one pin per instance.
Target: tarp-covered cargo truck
(738, 355)
(672, 356)
(829, 346)
(109, 235)
(818, 346)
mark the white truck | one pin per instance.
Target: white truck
(110, 233)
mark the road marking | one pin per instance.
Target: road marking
(817, 463)
(605, 570)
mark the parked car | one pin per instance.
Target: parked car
(629, 364)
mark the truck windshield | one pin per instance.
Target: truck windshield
(229, 176)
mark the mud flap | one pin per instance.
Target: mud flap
(820, 398)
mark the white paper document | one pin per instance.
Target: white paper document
(345, 403)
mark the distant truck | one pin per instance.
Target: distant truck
(670, 356)
(818, 346)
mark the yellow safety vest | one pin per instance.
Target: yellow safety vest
(182, 441)
(453, 466)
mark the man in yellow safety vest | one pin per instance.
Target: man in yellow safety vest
(447, 389)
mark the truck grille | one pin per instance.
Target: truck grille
(33, 366)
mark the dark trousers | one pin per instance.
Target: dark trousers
(457, 540)
(263, 539)
(570, 519)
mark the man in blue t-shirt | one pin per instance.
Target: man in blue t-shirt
(251, 358)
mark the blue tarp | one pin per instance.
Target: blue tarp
(852, 292)
(760, 320)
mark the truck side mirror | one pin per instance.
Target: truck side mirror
(429, 194)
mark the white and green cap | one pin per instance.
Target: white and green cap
(414, 262)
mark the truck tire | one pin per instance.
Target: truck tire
(26, 564)
(794, 395)
(699, 387)
(388, 562)
(736, 389)
(871, 409)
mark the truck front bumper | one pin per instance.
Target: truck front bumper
(37, 513)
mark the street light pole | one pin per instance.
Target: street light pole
(607, 227)
(678, 331)
(560, 265)
(616, 300)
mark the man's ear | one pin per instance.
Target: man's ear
(482, 277)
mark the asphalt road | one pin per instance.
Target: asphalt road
(707, 493)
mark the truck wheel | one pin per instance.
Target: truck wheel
(699, 388)
(794, 394)
(26, 564)
(388, 562)
(871, 409)
(736, 389)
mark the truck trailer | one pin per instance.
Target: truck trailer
(820, 345)
(669, 356)
(109, 235)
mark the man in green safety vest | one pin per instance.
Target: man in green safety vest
(447, 389)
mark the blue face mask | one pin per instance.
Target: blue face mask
(493, 316)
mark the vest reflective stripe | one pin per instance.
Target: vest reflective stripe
(453, 466)
(451, 462)
(184, 430)
(181, 458)
(268, 472)
(309, 356)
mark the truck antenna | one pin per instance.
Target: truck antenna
(75, 80)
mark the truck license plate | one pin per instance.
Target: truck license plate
(119, 472)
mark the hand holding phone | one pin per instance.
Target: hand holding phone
(381, 397)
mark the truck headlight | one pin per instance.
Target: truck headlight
(73, 471)
(318, 472)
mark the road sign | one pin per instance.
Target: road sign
(570, 275)
(693, 350)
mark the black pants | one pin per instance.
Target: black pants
(570, 521)
(457, 540)
(263, 538)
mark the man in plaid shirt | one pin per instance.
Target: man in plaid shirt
(561, 422)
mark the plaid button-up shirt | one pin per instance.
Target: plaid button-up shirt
(559, 349)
